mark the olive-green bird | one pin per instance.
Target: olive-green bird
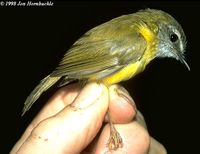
(117, 50)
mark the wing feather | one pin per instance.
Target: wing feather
(95, 53)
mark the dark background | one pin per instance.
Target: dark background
(33, 40)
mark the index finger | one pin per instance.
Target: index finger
(84, 123)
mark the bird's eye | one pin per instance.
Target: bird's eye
(173, 37)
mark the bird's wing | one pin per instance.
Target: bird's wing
(86, 57)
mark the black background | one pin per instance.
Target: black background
(33, 40)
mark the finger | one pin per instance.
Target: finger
(155, 146)
(122, 108)
(140, 120)
(135, 138)
(60, 99)
(72, 129)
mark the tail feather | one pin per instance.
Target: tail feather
(44, 85)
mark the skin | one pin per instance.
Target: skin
(73, 122)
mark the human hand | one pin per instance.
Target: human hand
(72, 122)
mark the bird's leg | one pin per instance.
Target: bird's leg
(115, 140)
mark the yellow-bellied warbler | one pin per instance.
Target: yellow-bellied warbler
(117, 50)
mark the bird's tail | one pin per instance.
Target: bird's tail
(44, 85)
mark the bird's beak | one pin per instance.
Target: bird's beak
(182, 60)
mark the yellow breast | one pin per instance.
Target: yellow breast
(134, 68)
(122, 75)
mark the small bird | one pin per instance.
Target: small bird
(116, 51)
